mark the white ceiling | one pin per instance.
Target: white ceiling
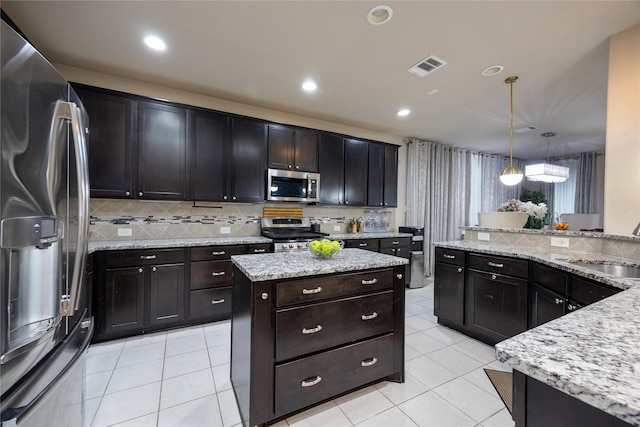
(259, 52)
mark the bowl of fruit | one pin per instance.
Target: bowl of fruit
(325, 248)
(561, 226)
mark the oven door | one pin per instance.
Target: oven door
(291, 186)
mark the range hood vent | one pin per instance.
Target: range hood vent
(427, 66)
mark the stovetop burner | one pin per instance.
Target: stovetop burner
(289, 233)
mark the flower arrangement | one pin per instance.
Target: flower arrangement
(535, 211)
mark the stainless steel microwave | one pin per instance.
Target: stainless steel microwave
(292, 186)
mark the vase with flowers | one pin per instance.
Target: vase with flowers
(535, 211)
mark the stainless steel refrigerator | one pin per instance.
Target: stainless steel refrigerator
(44, 196)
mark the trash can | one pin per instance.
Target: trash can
(417, 269)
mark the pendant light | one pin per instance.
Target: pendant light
(511, 175)
(546, 172)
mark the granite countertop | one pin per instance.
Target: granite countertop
(551, 232)
(592, 354)
(261, 267)
(348, 236)
(174, 243)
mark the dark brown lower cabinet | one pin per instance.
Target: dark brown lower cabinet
(124, 302)
(496, 305)
(166, 303)
(536, 404)
(547, 305)
(301, 341)
(448, 299)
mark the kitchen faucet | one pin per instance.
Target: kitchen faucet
(636, 232)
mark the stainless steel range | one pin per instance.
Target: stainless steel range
(289, 234)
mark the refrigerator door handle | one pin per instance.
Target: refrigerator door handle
(69, 110)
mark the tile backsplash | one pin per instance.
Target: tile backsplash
(115, 219)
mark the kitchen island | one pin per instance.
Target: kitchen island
(581, 368)
(305, 330)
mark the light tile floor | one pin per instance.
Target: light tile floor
(181, 378)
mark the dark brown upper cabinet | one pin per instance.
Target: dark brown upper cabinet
(355, 172)
(248, 161)
(292, 149)
(111, 142)
(331, 167)
(383, 175)
(208, 155)
(162, 142)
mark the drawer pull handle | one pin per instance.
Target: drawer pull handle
(495, 264)
(370, 282)
(363, 244)
(217, 301)
(218, 253)
(220, 273)
(312, 291)
(395, 242)
(147, 257)
(369, 316)
(447, 256)
(311, 381)
(558, 301)
(259, 251)
(312, 330)
(369, 362)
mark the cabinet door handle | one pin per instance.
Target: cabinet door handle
(370, 282)
(312, 291)
(399, 276)
(494, 264)
(311, 381)
(126, 193)
(362, 245)
(140, 194)
(494, 277)
(558, 301)
(259, 251)
(147, 257)
(572, 307)
(369, 362)
(140, 270)
(217, 301)
(154, 269)
(447, 256)
(218, 253)
(460, 269)
(220, 273)
(312, 330)
(369, 316)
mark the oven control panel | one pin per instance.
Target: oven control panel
(292, 246)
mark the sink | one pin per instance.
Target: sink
(618, 270)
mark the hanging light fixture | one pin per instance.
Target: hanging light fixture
(546, 172)
(511, 175)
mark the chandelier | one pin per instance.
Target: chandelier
(545, 172)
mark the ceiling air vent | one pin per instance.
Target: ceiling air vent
(427, 66)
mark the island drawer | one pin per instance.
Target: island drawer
(450, 256)
(588, 292)
(500, 265)
(259, 248)
(144, 257)
(211, 303)
(306, 381)
(550, 278)
(207, 274)
(368, 244)
(206, 253)
(314, 327)
(310, 290)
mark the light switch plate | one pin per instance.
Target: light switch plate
(336, 228)
(561, 242)
(125, 232)
(225, 230)
(483, 236)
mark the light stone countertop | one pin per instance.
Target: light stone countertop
(350, 236)
(109, 245)
(592, 354)
(271, 266)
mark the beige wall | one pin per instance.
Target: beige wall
(622, 160)
(165, 93)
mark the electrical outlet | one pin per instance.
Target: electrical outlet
(483, 236)
(225, 230)
(561, 242)
(336, 228)
(125, 232)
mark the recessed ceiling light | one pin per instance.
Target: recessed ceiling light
(309, 86)
(155, 43)
(403, 112)
(379, 15)
(492, 70)
(432, 91)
